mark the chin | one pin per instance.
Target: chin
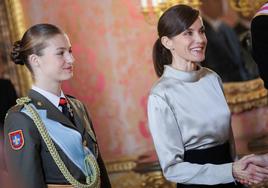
(199, 59)
(67, 77)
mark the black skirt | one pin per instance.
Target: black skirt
(216, 155)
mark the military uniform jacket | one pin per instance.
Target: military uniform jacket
(32, 164)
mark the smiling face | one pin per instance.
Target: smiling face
(56, 62)
(190, 45)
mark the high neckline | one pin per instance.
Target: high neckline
(186, 76)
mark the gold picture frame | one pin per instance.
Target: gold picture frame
(17, 27)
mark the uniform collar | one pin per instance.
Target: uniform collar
(42, 102)
(191, 76)
(54, 99)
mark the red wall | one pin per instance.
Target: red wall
(113, 70)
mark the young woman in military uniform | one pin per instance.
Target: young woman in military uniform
(49, 138)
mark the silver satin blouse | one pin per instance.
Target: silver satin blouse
(188, 110)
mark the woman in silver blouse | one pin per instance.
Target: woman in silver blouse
(189, 118)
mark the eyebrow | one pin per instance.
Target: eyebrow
(190, 29)
(63, 48)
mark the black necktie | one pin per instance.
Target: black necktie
(65, 109)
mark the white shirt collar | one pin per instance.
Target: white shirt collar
(54, 99)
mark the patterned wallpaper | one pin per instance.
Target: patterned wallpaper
(113, 70)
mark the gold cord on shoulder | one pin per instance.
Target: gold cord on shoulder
(93, 180)
(23, 100)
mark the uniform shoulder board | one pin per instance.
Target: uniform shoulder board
(15, 108)
(20, 104)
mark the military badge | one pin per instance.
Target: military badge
(16, 139)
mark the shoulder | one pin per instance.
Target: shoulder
(74, 100)
(260, 19)
(263, 10)
(163, 85)
(213, 79)
(16, 119)
(15, 113)
(259, 29)
(209, 73)
(76, 104)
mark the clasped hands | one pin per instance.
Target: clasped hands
(251, 169)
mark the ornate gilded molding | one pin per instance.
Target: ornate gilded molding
(246, 7)
(122, 165)
(131, 173)
(17, 28)
(245, 95)
(155, 179)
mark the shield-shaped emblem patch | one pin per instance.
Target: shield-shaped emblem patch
(16, 139)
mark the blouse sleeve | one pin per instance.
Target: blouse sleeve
(168, 141)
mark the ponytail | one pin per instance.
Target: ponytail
(173, 22)
(161, 57)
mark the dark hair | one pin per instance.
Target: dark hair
(174, 21)
(33, 42)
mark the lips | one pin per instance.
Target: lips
(197, 50)
(70, 68)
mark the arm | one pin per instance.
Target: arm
(169, 146)
(24, 164)
(253, 174)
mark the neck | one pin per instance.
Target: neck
(50, 87)
(186, 66)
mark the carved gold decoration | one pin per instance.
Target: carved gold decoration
(17, 28)
(153, 9)
(246, 7)
(245, 95)
(121, 165)
(126, 180)
(123, 174)
(263, 185)
(156, 180)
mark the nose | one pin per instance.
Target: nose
(70, 58)
(201, 38)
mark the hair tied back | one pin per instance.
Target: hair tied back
(16, 53)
